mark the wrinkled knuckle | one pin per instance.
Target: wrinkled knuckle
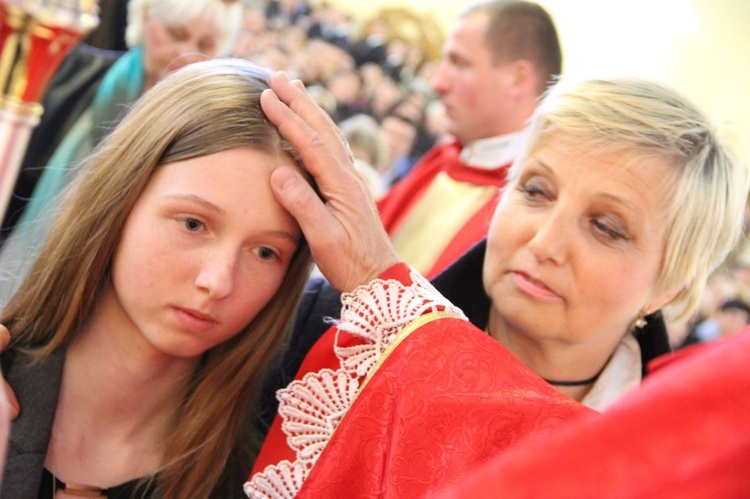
(302, 200)
(317, 144)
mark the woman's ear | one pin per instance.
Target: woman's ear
(660, 301)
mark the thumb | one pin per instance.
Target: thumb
(297, 196)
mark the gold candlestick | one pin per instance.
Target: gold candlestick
(35, 36)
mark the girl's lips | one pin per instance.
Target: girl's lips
(195, 321)
(533, 287)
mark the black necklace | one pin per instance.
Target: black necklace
(571, 383)
(582, 382)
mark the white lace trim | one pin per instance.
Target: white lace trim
(311, 408)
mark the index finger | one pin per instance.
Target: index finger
(310, 113)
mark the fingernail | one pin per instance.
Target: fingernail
(284, 178)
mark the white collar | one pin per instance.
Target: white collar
(492, 152)
(622, 373)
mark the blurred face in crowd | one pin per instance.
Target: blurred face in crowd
(398, 136)
(168, 47)
(474, 90)
(732, 319)
(345, 86)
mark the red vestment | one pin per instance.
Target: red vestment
(454, 233)
(684, 434)
(443, 398)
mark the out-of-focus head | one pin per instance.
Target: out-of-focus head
(362, 132)
(175, 33)
(500, 56)
(707, 184)
(522, 30)
(399, 133)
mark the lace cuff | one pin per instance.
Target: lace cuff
(312, 408)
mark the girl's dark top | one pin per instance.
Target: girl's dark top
(129, 490)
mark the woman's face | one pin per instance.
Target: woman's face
(576, 244)
(204, 249)
(168, 47)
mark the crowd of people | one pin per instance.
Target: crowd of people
(506, 261)
(378, 68)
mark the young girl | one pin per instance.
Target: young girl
(167, 281)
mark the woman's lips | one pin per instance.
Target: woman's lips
(533, 287)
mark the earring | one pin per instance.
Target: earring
(640, 321)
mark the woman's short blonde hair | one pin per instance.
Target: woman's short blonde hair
(225, 14)
(709, 186)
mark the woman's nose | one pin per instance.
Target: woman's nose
(551, 239)
(187, 47)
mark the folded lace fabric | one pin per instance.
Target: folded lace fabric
(312, 407)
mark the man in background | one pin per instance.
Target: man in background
(498, 60)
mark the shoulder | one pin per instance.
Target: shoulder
(319, 299)
(461, 283)
(36, 384)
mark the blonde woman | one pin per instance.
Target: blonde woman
(621, 204)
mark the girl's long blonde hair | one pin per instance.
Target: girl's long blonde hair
(199, 110)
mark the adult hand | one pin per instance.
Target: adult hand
(346, 237)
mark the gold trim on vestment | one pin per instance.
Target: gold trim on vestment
(422, 320)
(433, 222)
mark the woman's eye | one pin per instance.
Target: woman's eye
(177, 34)
(192, 224)
(533, 188)
(610, 232)
(266, 253)
(207, 47)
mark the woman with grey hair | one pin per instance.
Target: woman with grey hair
(174, 33)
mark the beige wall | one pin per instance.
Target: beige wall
(700, 48)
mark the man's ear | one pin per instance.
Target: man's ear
(523, 78)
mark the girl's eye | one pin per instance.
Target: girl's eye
(266, 253)
(192, 224)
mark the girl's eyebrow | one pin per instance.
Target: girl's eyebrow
(284, 235)
(196, 199)
(208, 204)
